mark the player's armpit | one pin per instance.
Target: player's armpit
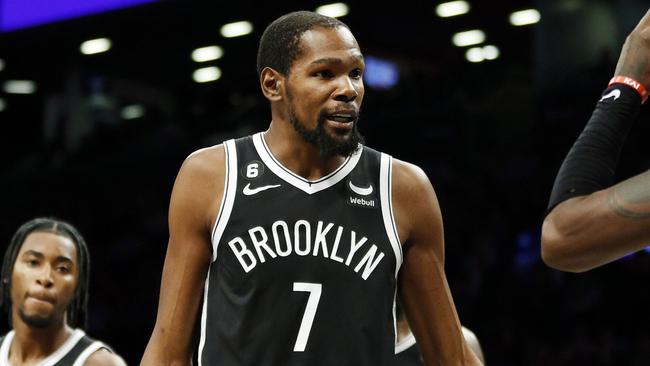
(588, 231)
(103, 357)
(422, 282)
(194, 203)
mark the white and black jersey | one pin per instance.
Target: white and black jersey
(73, 352)
(407, 353)
(303, 272)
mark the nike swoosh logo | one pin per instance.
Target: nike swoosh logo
(251, 191)
(359, 190)
(614, 93)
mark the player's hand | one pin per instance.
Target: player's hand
(635, 56)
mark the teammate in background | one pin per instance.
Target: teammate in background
(44, 290)
(294, 237)
(406, 350)
(591, 221)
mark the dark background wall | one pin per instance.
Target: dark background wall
(491, 137)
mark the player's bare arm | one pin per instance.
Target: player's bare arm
(194, 204)
(103, 357)
(586, 232)
(595, 228)
(422, 285)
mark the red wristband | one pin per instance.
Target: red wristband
(631, 83)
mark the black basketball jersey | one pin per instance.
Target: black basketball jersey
(73, 352)
(303, 272)
(407, 353)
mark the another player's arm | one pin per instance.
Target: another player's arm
(195, 198)
(104, 357)
(588, 231)
(423, 287)
(592, 222)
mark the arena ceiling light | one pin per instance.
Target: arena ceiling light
(452, 9)
(480, 54)
(468, 38)
(525, 17)
(206, 74)
(132, 111)
(335, 10)
(208, 53)
(95, 46)
(19, 87)
(236, 29)
(475, 54)
(3, 105)
(491, 52)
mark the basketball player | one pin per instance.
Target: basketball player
(44, 290)
(591, 220)
(285, 246)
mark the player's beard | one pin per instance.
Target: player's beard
(35, 320)
(319, 138)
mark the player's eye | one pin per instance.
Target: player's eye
(325, 74)
(356, 74)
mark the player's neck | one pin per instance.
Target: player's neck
(31, 344)
(297, 155)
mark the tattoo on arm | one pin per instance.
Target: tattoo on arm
(631, 198)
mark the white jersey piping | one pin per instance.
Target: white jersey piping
(406, 343)
(307, 186)
(228, 200)
(81, 360)
(386, 197)
(386, 194)
(204, 317)
(52, 359)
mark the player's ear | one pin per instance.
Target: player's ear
(272, 83)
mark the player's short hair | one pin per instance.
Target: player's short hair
(77, 309)
(279, 46)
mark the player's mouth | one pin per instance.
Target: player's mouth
(342, 119)
(41, 298)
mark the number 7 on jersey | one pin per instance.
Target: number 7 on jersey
(314, 290)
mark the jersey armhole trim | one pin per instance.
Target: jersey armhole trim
(386, 196)
(4, 348)
(228, 200)
(55, 357)
(405, 343)
(94, 347)
(204, 318)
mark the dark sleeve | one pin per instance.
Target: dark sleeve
(591, 163)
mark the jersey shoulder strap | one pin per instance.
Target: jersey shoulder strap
(82, 350)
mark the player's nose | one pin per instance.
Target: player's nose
(346, 91)
(44, 277)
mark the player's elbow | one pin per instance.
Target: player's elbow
(558, 248)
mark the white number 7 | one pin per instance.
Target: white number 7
(314, 290)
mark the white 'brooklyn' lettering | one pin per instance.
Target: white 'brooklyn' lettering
(257, 246)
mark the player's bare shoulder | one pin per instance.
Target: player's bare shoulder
(414, 198)
(199, 184)
(103, 357)
(206, 163)
(409, 178)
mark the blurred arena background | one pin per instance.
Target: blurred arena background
(101, 101)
